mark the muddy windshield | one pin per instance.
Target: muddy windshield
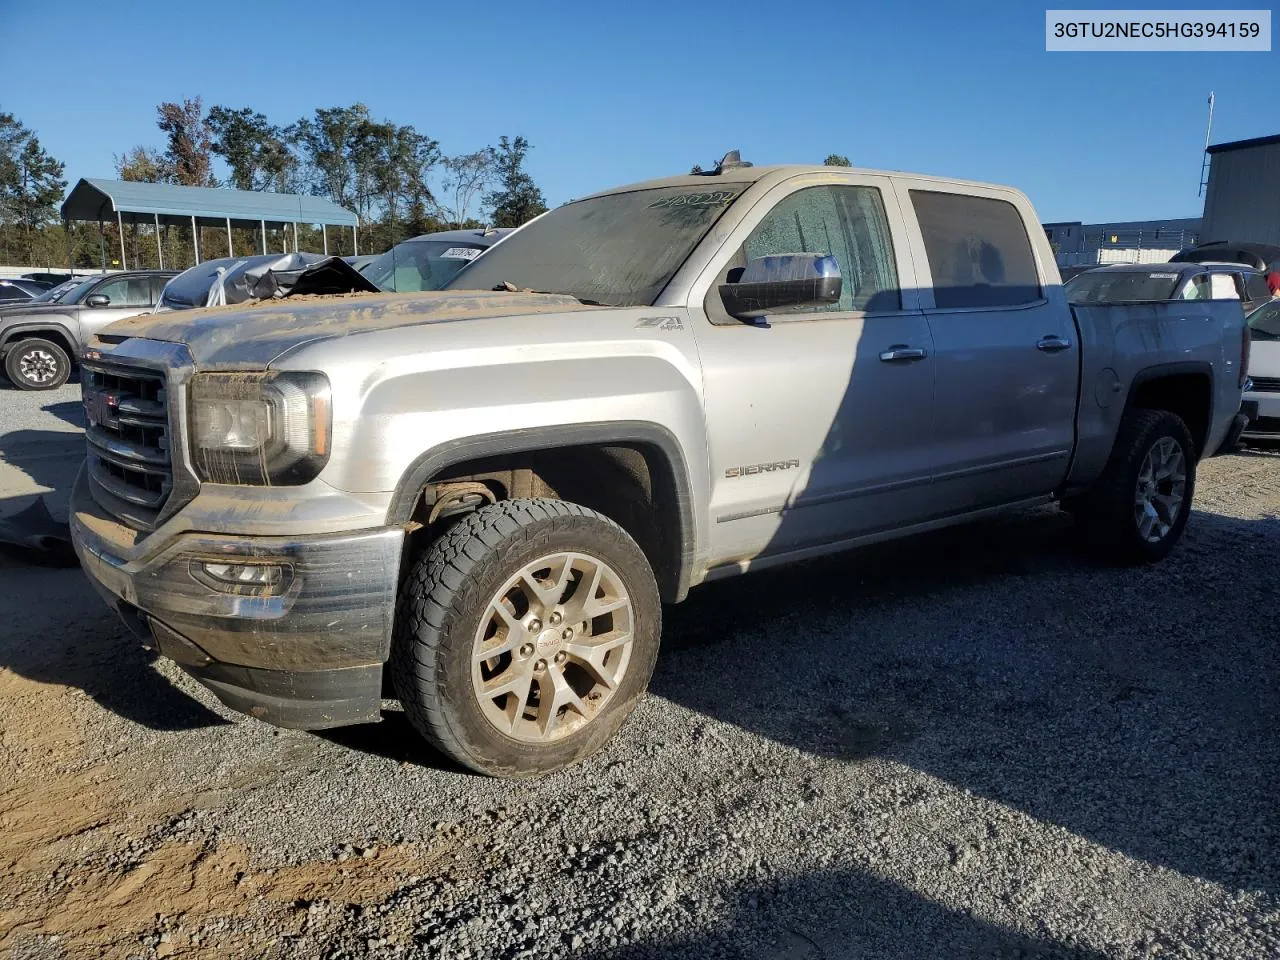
(1121, 286)
(619, 250)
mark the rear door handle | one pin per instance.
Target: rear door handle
(1052, 344)
(902, 352)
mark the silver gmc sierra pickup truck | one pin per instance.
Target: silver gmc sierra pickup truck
(487, 492)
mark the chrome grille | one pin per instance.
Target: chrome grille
(127, 427)
(1266, 384)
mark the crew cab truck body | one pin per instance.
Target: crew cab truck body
(487, 492)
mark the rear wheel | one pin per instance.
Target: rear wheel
(1142, 502)
(37, 364)
(525, 636)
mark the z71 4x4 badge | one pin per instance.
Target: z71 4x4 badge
(662, 323)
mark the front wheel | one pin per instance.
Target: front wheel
(1141, 504)
(37, 364)
(525, 636)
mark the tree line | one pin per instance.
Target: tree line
(395, 178)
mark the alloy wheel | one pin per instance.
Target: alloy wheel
(552, 647)
(1162, 484)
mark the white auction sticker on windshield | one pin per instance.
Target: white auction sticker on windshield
(460, 253)
(1164, 276)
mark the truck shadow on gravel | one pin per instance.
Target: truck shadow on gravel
(1137, 708)
(69, 411)
(393, 738)
(92, 653)
(831, 915)
(41, 466)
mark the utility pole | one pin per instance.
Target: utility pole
(1204, 160)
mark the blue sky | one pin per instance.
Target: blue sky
(609, 93)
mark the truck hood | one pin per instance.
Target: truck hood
(250, 336)
(26, 308)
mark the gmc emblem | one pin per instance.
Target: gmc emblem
(100, 407)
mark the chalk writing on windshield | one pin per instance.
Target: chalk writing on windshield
(713, 198)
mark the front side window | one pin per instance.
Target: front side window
(847, 223)
(1197, 288)
(978, 250)
(127, 292)
(619, 250)
(1222, 286)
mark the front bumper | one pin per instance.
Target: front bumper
(309, 657)
(1263, 409)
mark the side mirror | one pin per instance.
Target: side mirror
(783, 283)
(97, 300)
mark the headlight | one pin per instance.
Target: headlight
(266, 429)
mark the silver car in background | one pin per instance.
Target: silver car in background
(1262, 399)
(430, 261)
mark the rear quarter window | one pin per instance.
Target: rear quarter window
(978, 249)
(1256, 285)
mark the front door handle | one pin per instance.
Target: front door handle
(902, 352)
(1052, 344)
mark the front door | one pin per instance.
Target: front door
(126, 297)
(819, 422)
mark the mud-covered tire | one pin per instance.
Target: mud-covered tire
(451, 589)
(1109, 515)
(37, 364)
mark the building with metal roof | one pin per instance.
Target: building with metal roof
(1242, 195)
(1123, 241)
(127, 201)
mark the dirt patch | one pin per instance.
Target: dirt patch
(171, 897)
(102, 859)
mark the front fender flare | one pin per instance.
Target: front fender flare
(528, 440)
(30, 327)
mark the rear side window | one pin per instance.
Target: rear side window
(978, 250)
(1222, 286)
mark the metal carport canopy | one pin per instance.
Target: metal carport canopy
(135, 202)
(130, 201)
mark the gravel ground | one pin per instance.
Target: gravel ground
(41, 446)
(974, 744)
(43, 411)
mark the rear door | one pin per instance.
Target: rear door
(1006, 357)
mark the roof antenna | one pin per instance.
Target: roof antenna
(731, 160)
